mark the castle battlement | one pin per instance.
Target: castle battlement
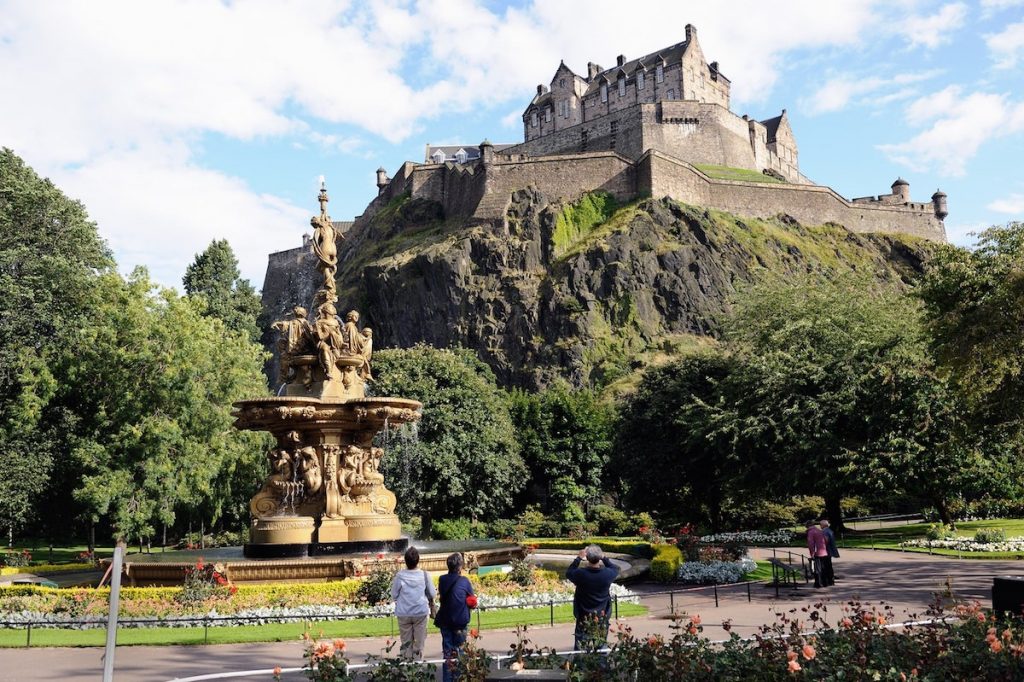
(658, 125)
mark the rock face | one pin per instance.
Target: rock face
(579, 290)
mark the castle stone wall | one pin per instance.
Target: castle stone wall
(809, 204)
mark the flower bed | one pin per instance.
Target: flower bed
(969, 545)
(781, 537)
(251, 604)
(714, 572)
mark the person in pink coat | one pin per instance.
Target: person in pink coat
(818, 548)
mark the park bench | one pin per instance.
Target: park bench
(785, 574)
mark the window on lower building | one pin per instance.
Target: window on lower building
(561, 82)
(461, 156)
(604, 92)
(639, 80)
(547, 115)
(622, 86)
(533, 119)
(659, 73)
(583, 140)
(613, 135)
(671, 94)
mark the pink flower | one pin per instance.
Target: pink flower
(809, 652)
(996, 646)
(794, 666)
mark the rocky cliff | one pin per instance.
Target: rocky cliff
(580, 290)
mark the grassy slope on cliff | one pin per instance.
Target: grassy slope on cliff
(607, 331)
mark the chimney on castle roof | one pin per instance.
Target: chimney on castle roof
(540, 89)
(691, 32)
(620, 60)
(592, 70)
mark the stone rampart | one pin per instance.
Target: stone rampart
(662, 175)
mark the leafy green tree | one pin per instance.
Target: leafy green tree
(675, 449)
(214, 276)
(151, 380)
(565, 439)
(50, 255)
(819, 359)
(463, 458)
(974, 308)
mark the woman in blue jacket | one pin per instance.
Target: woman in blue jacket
(453, 616)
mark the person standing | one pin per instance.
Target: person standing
(816, 546)
(453, 616)
(591, 604)
(413, 594)
(828, 570)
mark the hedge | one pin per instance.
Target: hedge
(331, 591)
(632, 547)
(665, 564)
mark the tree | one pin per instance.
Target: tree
(676, 450)
(214, 276)
(50, 255)
(565, 440)
(821, 363)
(152, 381)
(463, 459)
(974, 309)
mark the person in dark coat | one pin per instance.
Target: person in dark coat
(591, 605)
(453, 616)
(827, 569)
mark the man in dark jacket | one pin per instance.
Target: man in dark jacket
(591, 605)
(828, 570)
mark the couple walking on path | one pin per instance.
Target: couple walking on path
(821, 542)
(413, 593)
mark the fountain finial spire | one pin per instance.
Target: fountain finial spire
(322, 197)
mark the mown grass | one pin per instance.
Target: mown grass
(284, 632)
(729, 173)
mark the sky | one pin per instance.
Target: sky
(177, 122)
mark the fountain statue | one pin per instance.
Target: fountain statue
(325, 493)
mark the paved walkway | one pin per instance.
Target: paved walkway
(906, 581)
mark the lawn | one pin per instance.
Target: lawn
(61, 553)
(729, 173)
(282, 632)
(890, 537)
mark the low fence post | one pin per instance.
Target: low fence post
(616, 607)
(206, 631)
(748, 592)
(716, 596)
(478, 620)
(28, 640)
(551, 607)
(672, 603)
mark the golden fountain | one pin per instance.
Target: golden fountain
(325, 493)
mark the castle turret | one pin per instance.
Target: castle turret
(382, 179)
(487, 152)
(901, 190)
(939, 202)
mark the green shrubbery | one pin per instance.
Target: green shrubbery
(940, 531)
(452, 529)
(665, 564)
(987, 535)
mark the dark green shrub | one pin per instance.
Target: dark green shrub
(451, 529)
(990, 535)
(611, 521)
(501, 529)
(376, 586)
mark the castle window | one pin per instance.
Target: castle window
(533, 119)
(659, 73)
(622, 86)
(671, 94)
(604, 92)
(561, 82)
(461, 155)
(438, 156)
(583, 140)
(547, 114)
(614, 132)
(563, 108)
(639, 80)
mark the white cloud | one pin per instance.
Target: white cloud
(1007, 45)
(933, 30)
(173, 209)
(960, 124)
(1013, 203)
(838, 92)
(996, 5)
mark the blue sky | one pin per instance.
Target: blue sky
(180, 122)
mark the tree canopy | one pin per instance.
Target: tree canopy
(464, 459)
(214, 277)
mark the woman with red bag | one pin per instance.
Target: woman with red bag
(457, 599)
